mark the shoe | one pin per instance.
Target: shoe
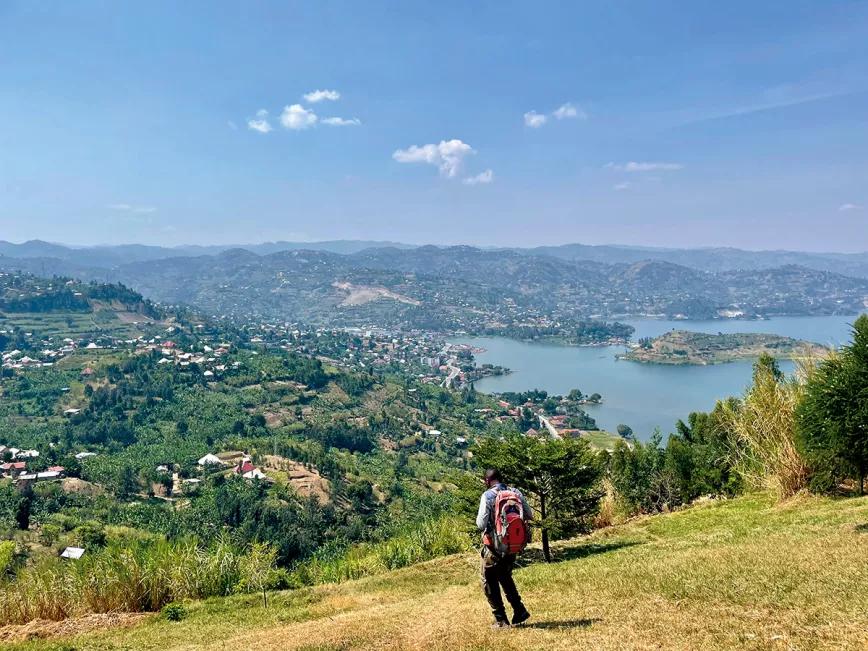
(520, 617)
(500, 624)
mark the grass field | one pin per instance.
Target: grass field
(721, 575)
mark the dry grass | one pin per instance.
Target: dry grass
(764, 425)
(742, 574)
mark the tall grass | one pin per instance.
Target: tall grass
(139, 576)
(417, 543)
(763, 424)
(143, 576)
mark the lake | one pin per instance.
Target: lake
(643, 396)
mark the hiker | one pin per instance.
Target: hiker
(502, 519)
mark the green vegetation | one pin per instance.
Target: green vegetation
(315, 474)
(685, 347)
(740, 573)
(832, 418)
(561, 476)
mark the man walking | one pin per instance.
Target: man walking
(503, 514)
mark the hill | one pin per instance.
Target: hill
(719, 575)
(458, 288)
(714, 259)
(63, 307)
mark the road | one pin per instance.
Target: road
(453, 373)
(545, 422)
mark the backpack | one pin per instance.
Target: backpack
(510, 534)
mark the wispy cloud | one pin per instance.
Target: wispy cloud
(448, 155)
(319, 95)
(645, 166)
(847, 207)
(127, 207)
(260, 123)
(341, 122)
(297, 118)
(534, 120)
(620, 187)
(568, 111)
(480, 179)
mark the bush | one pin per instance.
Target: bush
(174, 612)
(763, 426)
(7, 557)
(637, 475)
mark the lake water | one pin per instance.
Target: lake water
(643, 396)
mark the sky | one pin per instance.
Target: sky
(488, 123)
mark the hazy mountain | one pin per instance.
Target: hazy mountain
(115, 255)
(711, 259)
(707, 259)
(463, 286)
(450, 288)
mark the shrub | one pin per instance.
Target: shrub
(637, 476)
(763, 426)
(7, 556)
(174, 612)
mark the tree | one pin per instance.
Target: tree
(637, 472)
(560, 477)
(625, 431)
(25, 505)
(833, 416)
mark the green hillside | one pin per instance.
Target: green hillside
(741, 573)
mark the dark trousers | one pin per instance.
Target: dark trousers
(497, 574)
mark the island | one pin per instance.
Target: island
(684, 347)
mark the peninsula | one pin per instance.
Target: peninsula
(684, 347)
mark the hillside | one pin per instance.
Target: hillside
(63, 307)
(684, 347)
(447, 289)
(720, 575)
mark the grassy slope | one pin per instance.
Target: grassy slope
(738, 574)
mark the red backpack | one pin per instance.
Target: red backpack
(510, 530)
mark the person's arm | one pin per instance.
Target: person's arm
(482, 515)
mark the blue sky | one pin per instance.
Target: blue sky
(654, 123)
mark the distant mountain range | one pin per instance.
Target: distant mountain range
(459, 287)
(704, 259)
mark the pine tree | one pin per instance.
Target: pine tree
(833, 418)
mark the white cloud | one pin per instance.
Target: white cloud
(534, 120)
(621, 186)
(320, 95)
(483, 177)
(341, 122)
(126, 207)
(296, 117)
(633, 166)
(260, 123)
(447, 156)
(847, 207)
(567, 110)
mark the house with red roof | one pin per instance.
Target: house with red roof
(13, 468)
